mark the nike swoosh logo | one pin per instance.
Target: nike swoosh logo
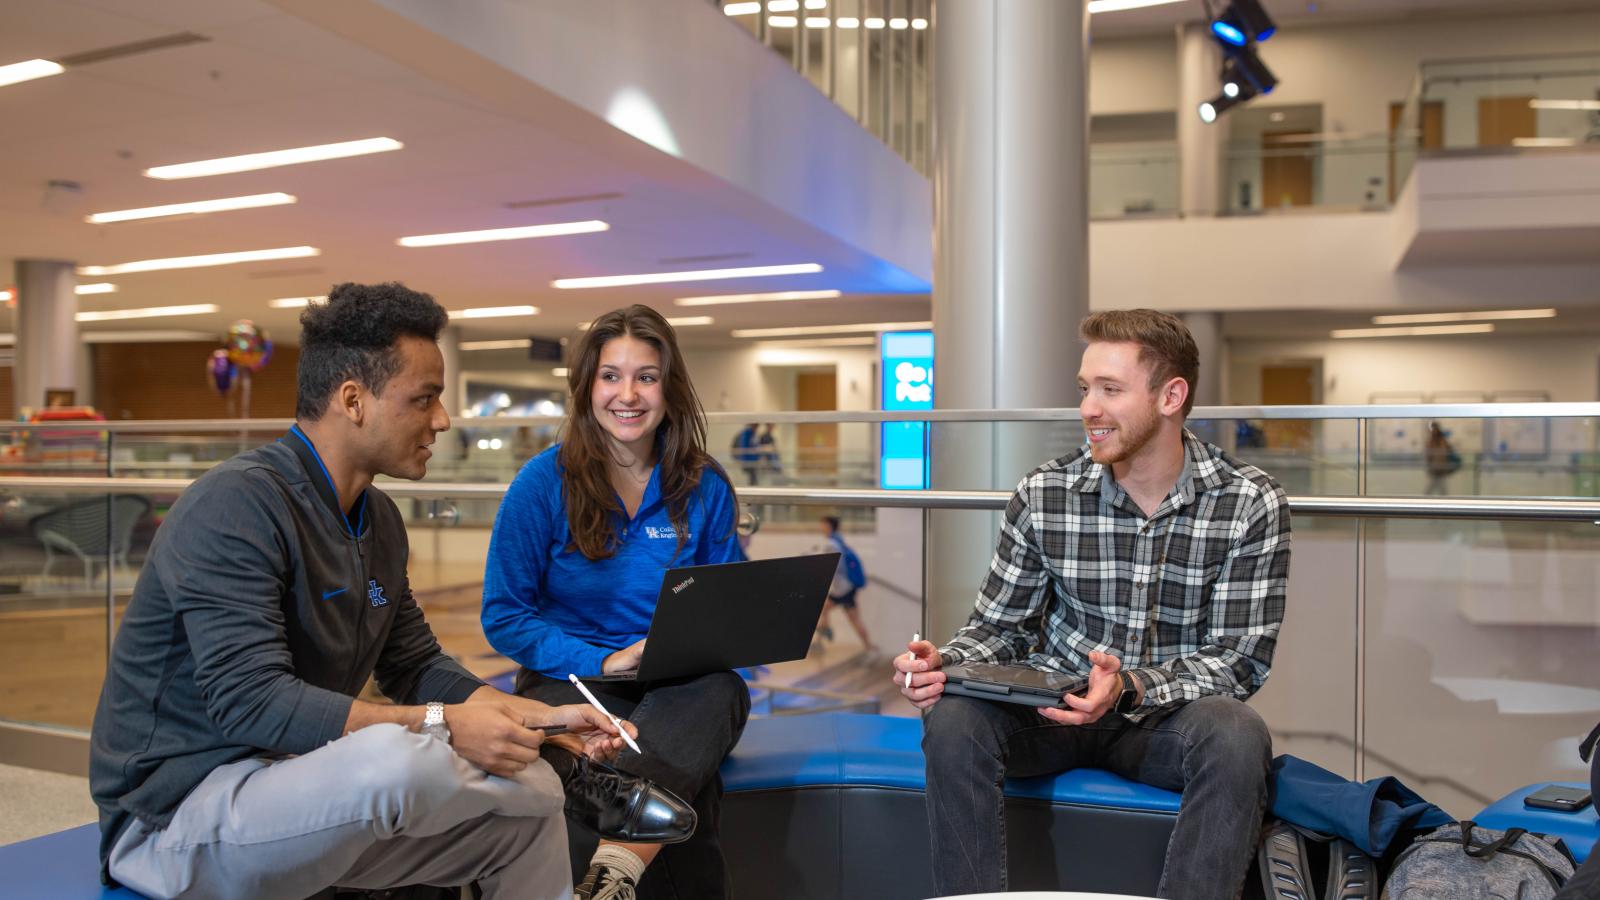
(327, 594)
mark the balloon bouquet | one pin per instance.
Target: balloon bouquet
(247, 350)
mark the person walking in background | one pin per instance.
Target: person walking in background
(747, 453)
(767, 454)
(849, 578)
(1439, 459)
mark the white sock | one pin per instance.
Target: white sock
(615, 857)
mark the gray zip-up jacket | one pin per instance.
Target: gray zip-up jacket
(259, 615)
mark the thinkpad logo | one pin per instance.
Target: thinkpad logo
(683, 584)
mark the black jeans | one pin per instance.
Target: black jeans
(1215, 751)
(686, 727)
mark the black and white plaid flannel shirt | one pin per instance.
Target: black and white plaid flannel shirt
(1190, 598)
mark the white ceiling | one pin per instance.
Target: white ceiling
(267, 80)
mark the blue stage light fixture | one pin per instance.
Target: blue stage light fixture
(1228, 33)
(1244, 62)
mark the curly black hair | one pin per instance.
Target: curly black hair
(352, 336)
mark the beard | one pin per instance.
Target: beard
(1129, 438)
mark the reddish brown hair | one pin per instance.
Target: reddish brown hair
(592, 508)
(1165, 345)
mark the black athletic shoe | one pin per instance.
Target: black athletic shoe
(605, 883)
(618, 806)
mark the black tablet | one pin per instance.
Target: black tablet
(1011, 684)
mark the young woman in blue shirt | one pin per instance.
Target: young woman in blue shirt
(575, 563)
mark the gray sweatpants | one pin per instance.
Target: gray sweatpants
(378, 808)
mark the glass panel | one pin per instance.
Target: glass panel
(178, 455)
(61, 558)
(1481, 655)
(1531, 101)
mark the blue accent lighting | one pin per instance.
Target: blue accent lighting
(1228, 33)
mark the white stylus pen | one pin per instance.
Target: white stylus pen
(911, 657)
(594, 702)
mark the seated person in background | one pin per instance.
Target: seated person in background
(229, 756)
(1155, 564)
(576, 559)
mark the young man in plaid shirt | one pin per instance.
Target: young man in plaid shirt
(1156, 564)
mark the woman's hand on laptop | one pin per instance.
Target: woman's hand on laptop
(624, 660)
(917, 673)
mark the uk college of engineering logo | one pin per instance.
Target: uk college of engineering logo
(375, 593)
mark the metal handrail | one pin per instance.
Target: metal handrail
(1361, 411)
(1493, 509)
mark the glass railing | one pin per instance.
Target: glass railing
(1442, 625)
(871, 57)
(1133, 179)
(1509, 103)
(1276, 173)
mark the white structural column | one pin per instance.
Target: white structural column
(1011, 275)
(454, 395)
(1207, 330)
(1202, 164)
(47, 351)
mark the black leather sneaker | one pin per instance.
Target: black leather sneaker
(618, 806)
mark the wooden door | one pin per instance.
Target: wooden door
(817, 452)
(1288, 384)
(1432, 126)
(1288, 175)
(1501, 120)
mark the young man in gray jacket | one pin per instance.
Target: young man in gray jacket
(230, 757)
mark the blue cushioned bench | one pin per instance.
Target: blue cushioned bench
(60, 866)
(832, 805)
(1580, 830)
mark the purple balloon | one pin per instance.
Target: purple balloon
(220, 371)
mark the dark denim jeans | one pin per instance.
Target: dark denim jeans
(686, 727)
(1215, 751)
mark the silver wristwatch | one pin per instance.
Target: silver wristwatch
(433, 722)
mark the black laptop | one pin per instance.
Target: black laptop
(1010, 684)
(725, 616)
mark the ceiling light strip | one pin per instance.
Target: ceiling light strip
(197, 207)
(16, 73)
(1415, 331)
(104, 287)
(1105, 6)
(829, 329)
(294, 302)
(273, 158)
(523, 232)
(696, 275)
(149, 312)
(521, 344)
(494, 312)
(198, 262)
(1479, 316)
(773, 297)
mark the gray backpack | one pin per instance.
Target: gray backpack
(1464, 862)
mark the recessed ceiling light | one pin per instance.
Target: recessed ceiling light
(1103, 6)
(674, 321)
(783, 5)
(559, 372)
(7, 296)
(1544, 142)
(493, 312)
(145, 337)
(782, 21)
(29, 70)
(1480, 316)
(195, 208)
(294, 302)
(1414, 331)
(149, 312)
(919, 24)
(899, 24)
(817, 22)
(827, 342)
(522, 344)
(741, 9)
(697, 275)
(273, 158)
(197, 262)
(728, 299)
(874, 23)
(828, 329)
(848, 22)
(504, 234)
(1565, 104)
(104, 287)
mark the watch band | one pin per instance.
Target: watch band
(434, 715)
(1129, 696)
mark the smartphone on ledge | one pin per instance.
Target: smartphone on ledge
(1557, 797)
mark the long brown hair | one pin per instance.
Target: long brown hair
(585, 456)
